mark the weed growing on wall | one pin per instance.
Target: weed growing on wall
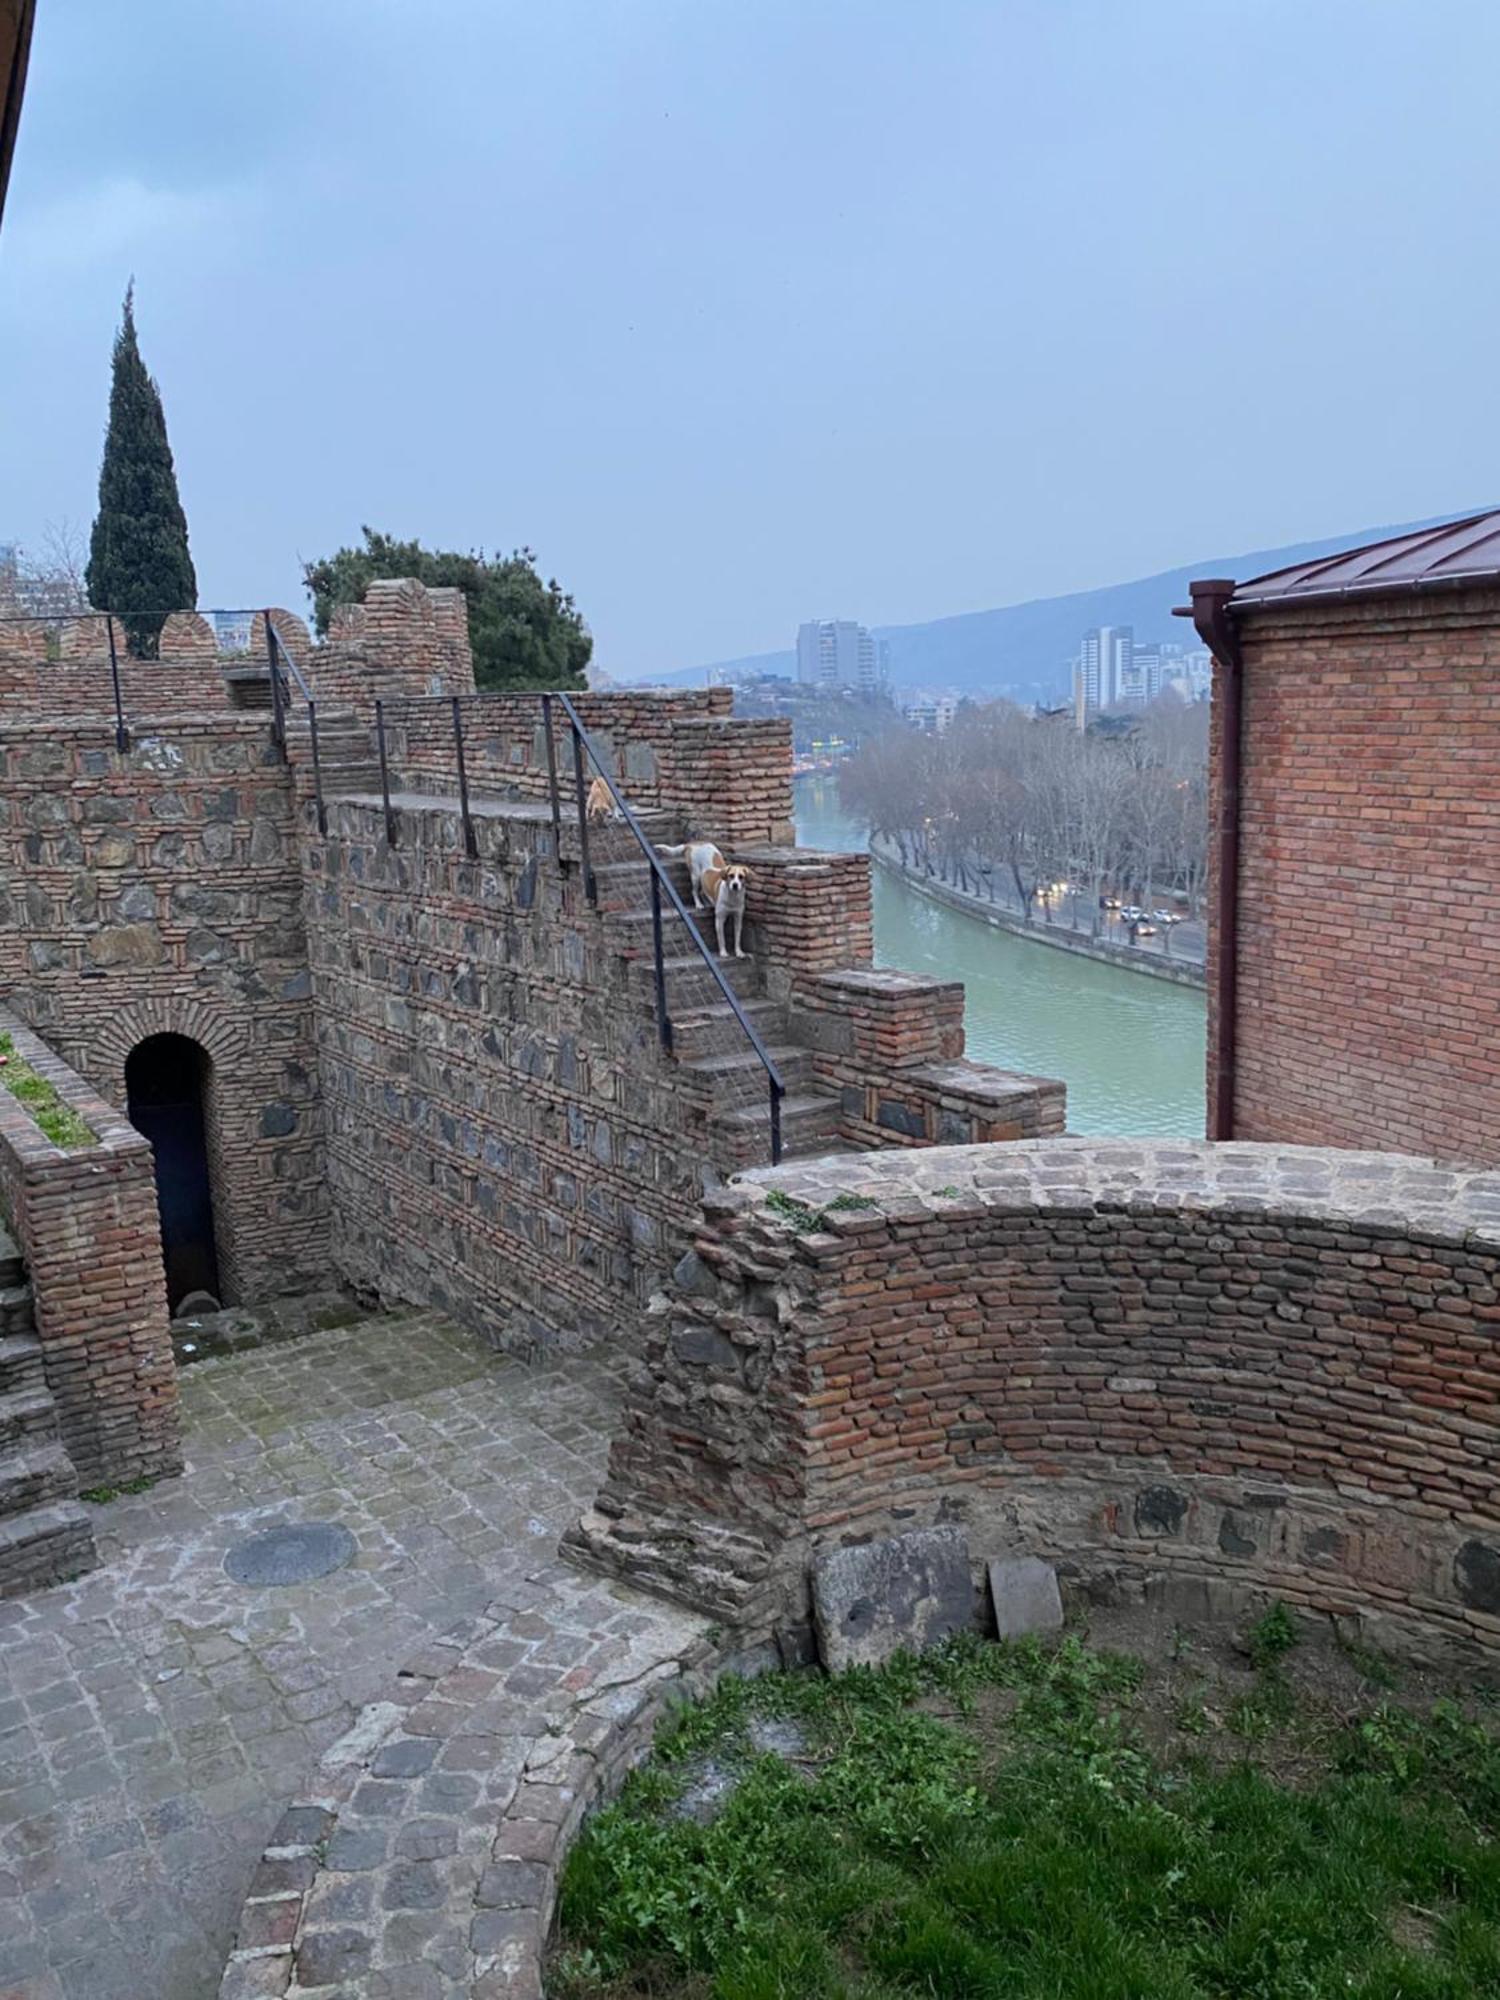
(56, 1120)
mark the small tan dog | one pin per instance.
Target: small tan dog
(600, 805)
(719, 886)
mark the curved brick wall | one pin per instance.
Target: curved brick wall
(1272, 1369)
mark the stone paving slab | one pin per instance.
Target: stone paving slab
(156, 1717)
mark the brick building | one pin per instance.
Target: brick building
(1354, 984)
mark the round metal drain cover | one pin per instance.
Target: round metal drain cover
(291, 1555)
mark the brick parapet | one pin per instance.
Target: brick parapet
(809, 912)
(1182, 1365)
(85, 1220)
(891, 1045)
(1368, 962)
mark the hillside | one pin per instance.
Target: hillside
(1028, 646)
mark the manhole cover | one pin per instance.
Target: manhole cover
(291, 1555)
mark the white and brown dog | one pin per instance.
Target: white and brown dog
(719, 886)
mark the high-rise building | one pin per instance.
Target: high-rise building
(1105, 665)
(838, 653)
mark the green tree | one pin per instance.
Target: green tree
(139, 564)
(525, 633)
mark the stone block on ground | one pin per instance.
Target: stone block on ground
(1026, 1596)
(902, 1594)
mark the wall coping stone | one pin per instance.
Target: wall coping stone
(1428, 1199)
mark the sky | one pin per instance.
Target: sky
(741, 312)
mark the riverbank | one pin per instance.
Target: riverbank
(1179, 972)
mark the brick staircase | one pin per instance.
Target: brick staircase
(45, 1534)
(720, 1070)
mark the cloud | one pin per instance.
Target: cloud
(113, 222)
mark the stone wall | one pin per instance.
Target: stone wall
(85, 1222)
(160, 891)
(502, 1131)
(1369, 961)
(1188, 1369)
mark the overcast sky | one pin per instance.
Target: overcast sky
(746, 311)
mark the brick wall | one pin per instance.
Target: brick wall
(1187, 1367)
(64, 669)
(160, 891)
(85, 1221)
(1369, 960)
(679, 751)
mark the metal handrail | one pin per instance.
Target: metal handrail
(661, 882)
(276, 644)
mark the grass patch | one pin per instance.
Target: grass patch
(805, 1219)
(989, 1821)
(100, 1496)
(55, 1120)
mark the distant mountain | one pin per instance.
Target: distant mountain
(1029, 645)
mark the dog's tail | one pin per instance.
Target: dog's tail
(672, 853)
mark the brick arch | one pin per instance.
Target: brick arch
(228, 1113)
(224, 1039)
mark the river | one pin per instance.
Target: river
(1130, 1048)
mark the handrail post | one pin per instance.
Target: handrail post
(385, 775)
(775, 1122)
(278, 709)
(471, 845)
(590, 886)
(317, 763)
(552, 776)
(122, 734)
(663, 1019)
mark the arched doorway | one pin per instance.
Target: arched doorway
(166, 1084)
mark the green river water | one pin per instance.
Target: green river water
(1130, 1048)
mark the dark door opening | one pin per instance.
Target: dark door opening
(165, 1081)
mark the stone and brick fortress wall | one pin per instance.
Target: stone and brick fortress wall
(159, 890)
(1196, 1369)
(85, 1222)
(1369, 959)
(680, 749)
(501, 1130)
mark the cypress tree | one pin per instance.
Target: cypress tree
(139, 566)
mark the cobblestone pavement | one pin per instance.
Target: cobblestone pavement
(155, 1716)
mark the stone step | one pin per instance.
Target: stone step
(809, 1125)
(27, 1413)
(45, 1545)
(739, 1077)
(32, 1474)
(714, 1031)
(690, 984)
(15, 1309)
(21, 1363)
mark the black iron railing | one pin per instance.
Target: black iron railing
(414, 729)
(661, 886)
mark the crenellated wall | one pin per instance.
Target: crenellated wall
(1184, 1369)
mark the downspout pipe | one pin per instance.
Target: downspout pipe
(1211, 619)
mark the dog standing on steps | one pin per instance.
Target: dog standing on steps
(717, 886)
(600, 805)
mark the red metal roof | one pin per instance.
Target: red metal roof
(1458, 552)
